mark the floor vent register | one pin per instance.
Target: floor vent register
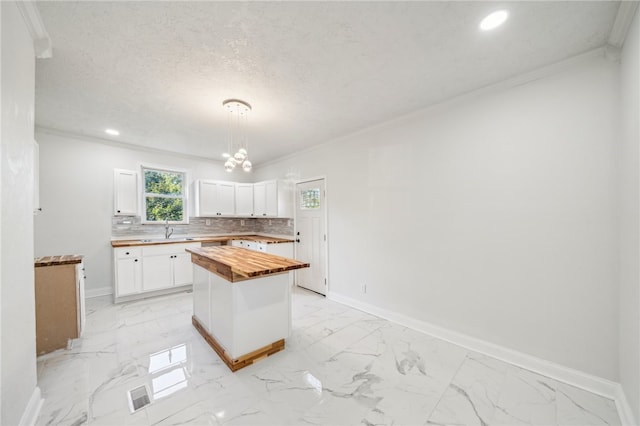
(138, 398)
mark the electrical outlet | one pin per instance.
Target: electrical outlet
(242, 222)
(363, 288)
(208, 222)
(269, 221)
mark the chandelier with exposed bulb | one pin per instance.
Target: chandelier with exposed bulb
(238, 137)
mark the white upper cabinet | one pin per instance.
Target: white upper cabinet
(125, 184)
(215, 198)
(265, 198)
(262, 199)
(244, 199)
(271, 198)
(259, 199)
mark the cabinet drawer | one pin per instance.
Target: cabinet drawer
(166, 249)
(128, 252)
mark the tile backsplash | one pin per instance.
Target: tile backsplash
(123, 226)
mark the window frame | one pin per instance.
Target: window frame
(144, 194)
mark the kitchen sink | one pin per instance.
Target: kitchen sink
(155, 240)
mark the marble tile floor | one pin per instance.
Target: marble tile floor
(341, 366)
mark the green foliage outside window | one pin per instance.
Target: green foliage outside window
(163, 195)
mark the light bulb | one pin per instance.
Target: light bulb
(239, 156)
(494, 20)
(243, 151)
(230, 164)
(246, 166)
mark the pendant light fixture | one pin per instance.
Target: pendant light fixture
(238, 136)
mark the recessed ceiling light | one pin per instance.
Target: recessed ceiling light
(494, 20)
(112, 132)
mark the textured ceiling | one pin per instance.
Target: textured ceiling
(159, 71)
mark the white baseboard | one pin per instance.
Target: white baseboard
(624, 408)
(97, 292)
(589, 382)
(31, 412)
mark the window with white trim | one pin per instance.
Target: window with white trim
(164, 195)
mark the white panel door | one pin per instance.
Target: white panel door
(126, 192)
(128, 275)
(156, 272)
(244, 199)
(226, 198)
(259, 194)
(271, 198)
(311, 235)
(207, 199)
(182, 269)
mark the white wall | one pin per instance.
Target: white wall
(629, 218)
(493, 216)
(76, 196)
(18, 345)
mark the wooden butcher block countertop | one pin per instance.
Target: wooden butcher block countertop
(225, 238)
(239, 264)
(68, 259)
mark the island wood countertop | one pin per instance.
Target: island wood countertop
(68, 259)
(222, 239)
(239, 264)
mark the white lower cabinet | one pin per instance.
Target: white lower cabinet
(128, 271)
(140, 270)
(280, 249)
(156, 272)
(182, 269)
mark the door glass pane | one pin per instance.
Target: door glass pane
(310, 199)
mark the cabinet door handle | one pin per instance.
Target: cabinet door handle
(297, 240)
(127, 253)
(136, 260)
(118, 211)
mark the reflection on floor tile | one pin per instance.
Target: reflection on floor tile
(340, 366)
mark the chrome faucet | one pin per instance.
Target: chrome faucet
(167, 233)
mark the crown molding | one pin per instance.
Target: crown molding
(626, 12)
(41, 40)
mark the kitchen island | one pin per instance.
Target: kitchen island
(242, 302)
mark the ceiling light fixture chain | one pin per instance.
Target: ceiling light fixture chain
(238, 135)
